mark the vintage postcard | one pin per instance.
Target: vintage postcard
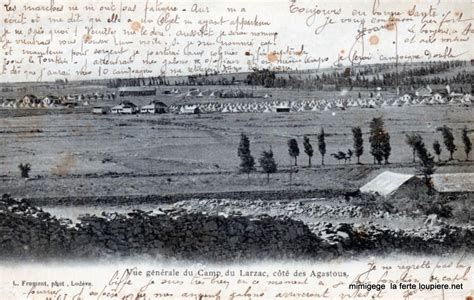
(240, 150)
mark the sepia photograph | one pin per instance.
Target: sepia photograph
(298, 149)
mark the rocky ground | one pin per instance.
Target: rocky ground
(220, 235)
(310, 208)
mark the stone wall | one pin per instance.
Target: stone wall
(28, 232)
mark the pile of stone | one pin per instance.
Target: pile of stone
(310, 208)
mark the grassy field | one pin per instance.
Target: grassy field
(76, 154)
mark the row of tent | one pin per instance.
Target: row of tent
(320, 104)
(30, 101)
(198, 93)
(50, 101)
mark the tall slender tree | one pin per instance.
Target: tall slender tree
(375, 139)
(467, 142)
(379, 141)
(358, 142)
(244, 146)
(427, 165)
(322, 145)
(437, 149)
(267, 162)
(247, 161)
(293, 150)
(448, 139)
(411, 140)
(308, 148)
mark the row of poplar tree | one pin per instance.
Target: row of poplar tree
(380, 149)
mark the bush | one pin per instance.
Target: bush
(25, 170)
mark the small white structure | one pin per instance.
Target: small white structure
(51, 100)
(117, 109)
(437, 97)
(424, 91)
(155, 107)
(283, 107)
(189, 110)
(193, 92)
(99, 110)
(125, 107)
(406, 98)
(10, 103)
(466, 100)
(29, 101)
(129, 110)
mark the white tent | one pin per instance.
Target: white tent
(386, 183)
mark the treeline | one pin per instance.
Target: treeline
(369, 76)
(148, 81)
(425, 68)
(380, 149)
(191, 80)
(206, 80)
(365, 77)
(406, 78)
